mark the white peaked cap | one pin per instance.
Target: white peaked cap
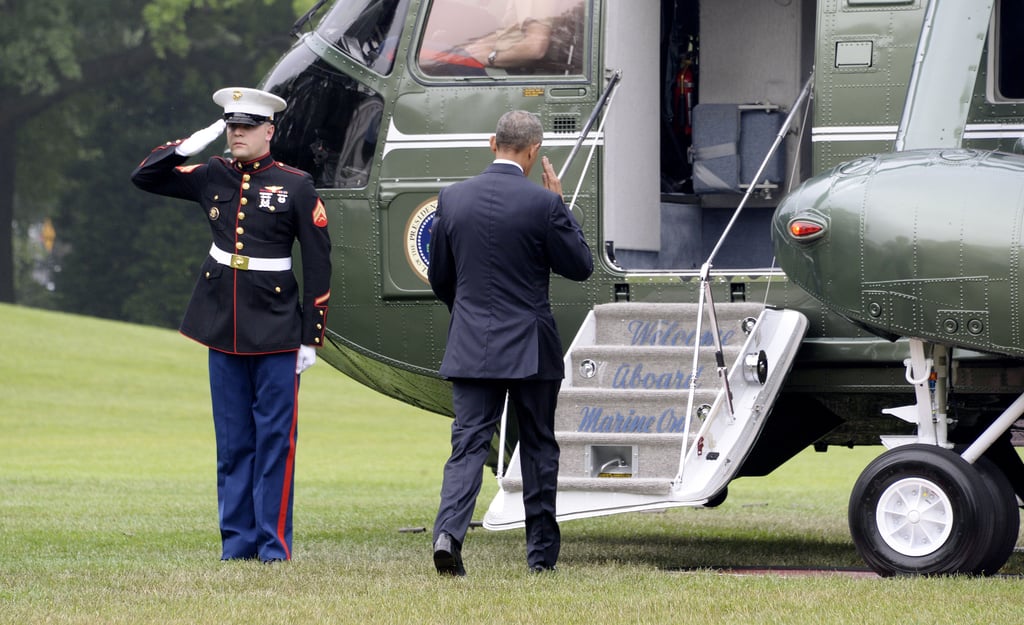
(248, 106)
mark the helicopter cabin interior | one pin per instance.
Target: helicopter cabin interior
(727, 72)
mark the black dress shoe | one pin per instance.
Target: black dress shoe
(542, 568)
(448, 556)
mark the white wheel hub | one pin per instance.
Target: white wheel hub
(914, 516)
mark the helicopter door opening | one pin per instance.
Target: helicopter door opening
(677, 165)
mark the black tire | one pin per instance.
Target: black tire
(935, 510)
(1005, 515)
(718, 498)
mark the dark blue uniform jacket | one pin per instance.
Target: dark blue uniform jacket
(257, 209)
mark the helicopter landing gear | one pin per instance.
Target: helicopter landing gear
(921, 509)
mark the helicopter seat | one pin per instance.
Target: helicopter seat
(729, 143)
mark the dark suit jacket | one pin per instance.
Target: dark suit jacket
(497, 237)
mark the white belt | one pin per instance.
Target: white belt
(247, 263)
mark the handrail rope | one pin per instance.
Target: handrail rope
(590, 155)
(789, 183)
(705, 290)
(500, 473)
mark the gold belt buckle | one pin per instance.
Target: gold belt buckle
(239, 262)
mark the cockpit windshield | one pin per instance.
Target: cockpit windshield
(366, 30)
(330, 126)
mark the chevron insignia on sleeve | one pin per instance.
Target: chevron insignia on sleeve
(320, 214)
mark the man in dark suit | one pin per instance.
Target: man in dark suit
(497, 237)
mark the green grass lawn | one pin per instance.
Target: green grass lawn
(108, 515)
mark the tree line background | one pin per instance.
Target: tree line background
(87, 89)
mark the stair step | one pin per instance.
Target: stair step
(621, 424)
(613, 411)
(637, 486)
(669, 325)
(639, 455)
(576, 438)
(641, 368)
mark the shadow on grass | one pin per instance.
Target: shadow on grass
(685, 552)
(722, 548)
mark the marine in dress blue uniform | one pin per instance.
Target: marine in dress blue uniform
(247, 308)
(497, 237)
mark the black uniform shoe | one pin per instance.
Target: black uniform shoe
(448, 556)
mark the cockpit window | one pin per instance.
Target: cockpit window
(503, 37)
(366, 30)
(330, 126)
(1006, 48)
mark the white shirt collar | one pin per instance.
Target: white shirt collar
(505, 161)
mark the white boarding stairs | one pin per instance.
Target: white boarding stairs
(635, 433)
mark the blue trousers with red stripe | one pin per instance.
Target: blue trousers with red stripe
(255, 417)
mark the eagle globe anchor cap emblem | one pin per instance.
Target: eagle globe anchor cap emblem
(251, 107)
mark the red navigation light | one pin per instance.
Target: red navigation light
(804, 229)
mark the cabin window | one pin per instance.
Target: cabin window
(331, 124)
(366, 30)
(503, 38)
(1006, 48)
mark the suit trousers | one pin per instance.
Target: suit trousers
(478, 405)
(255, 417)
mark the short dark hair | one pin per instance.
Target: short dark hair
(518, 130)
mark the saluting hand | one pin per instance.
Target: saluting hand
(549, 177)
(201, 138)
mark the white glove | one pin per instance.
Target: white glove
(305, 359)
(201, 138)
